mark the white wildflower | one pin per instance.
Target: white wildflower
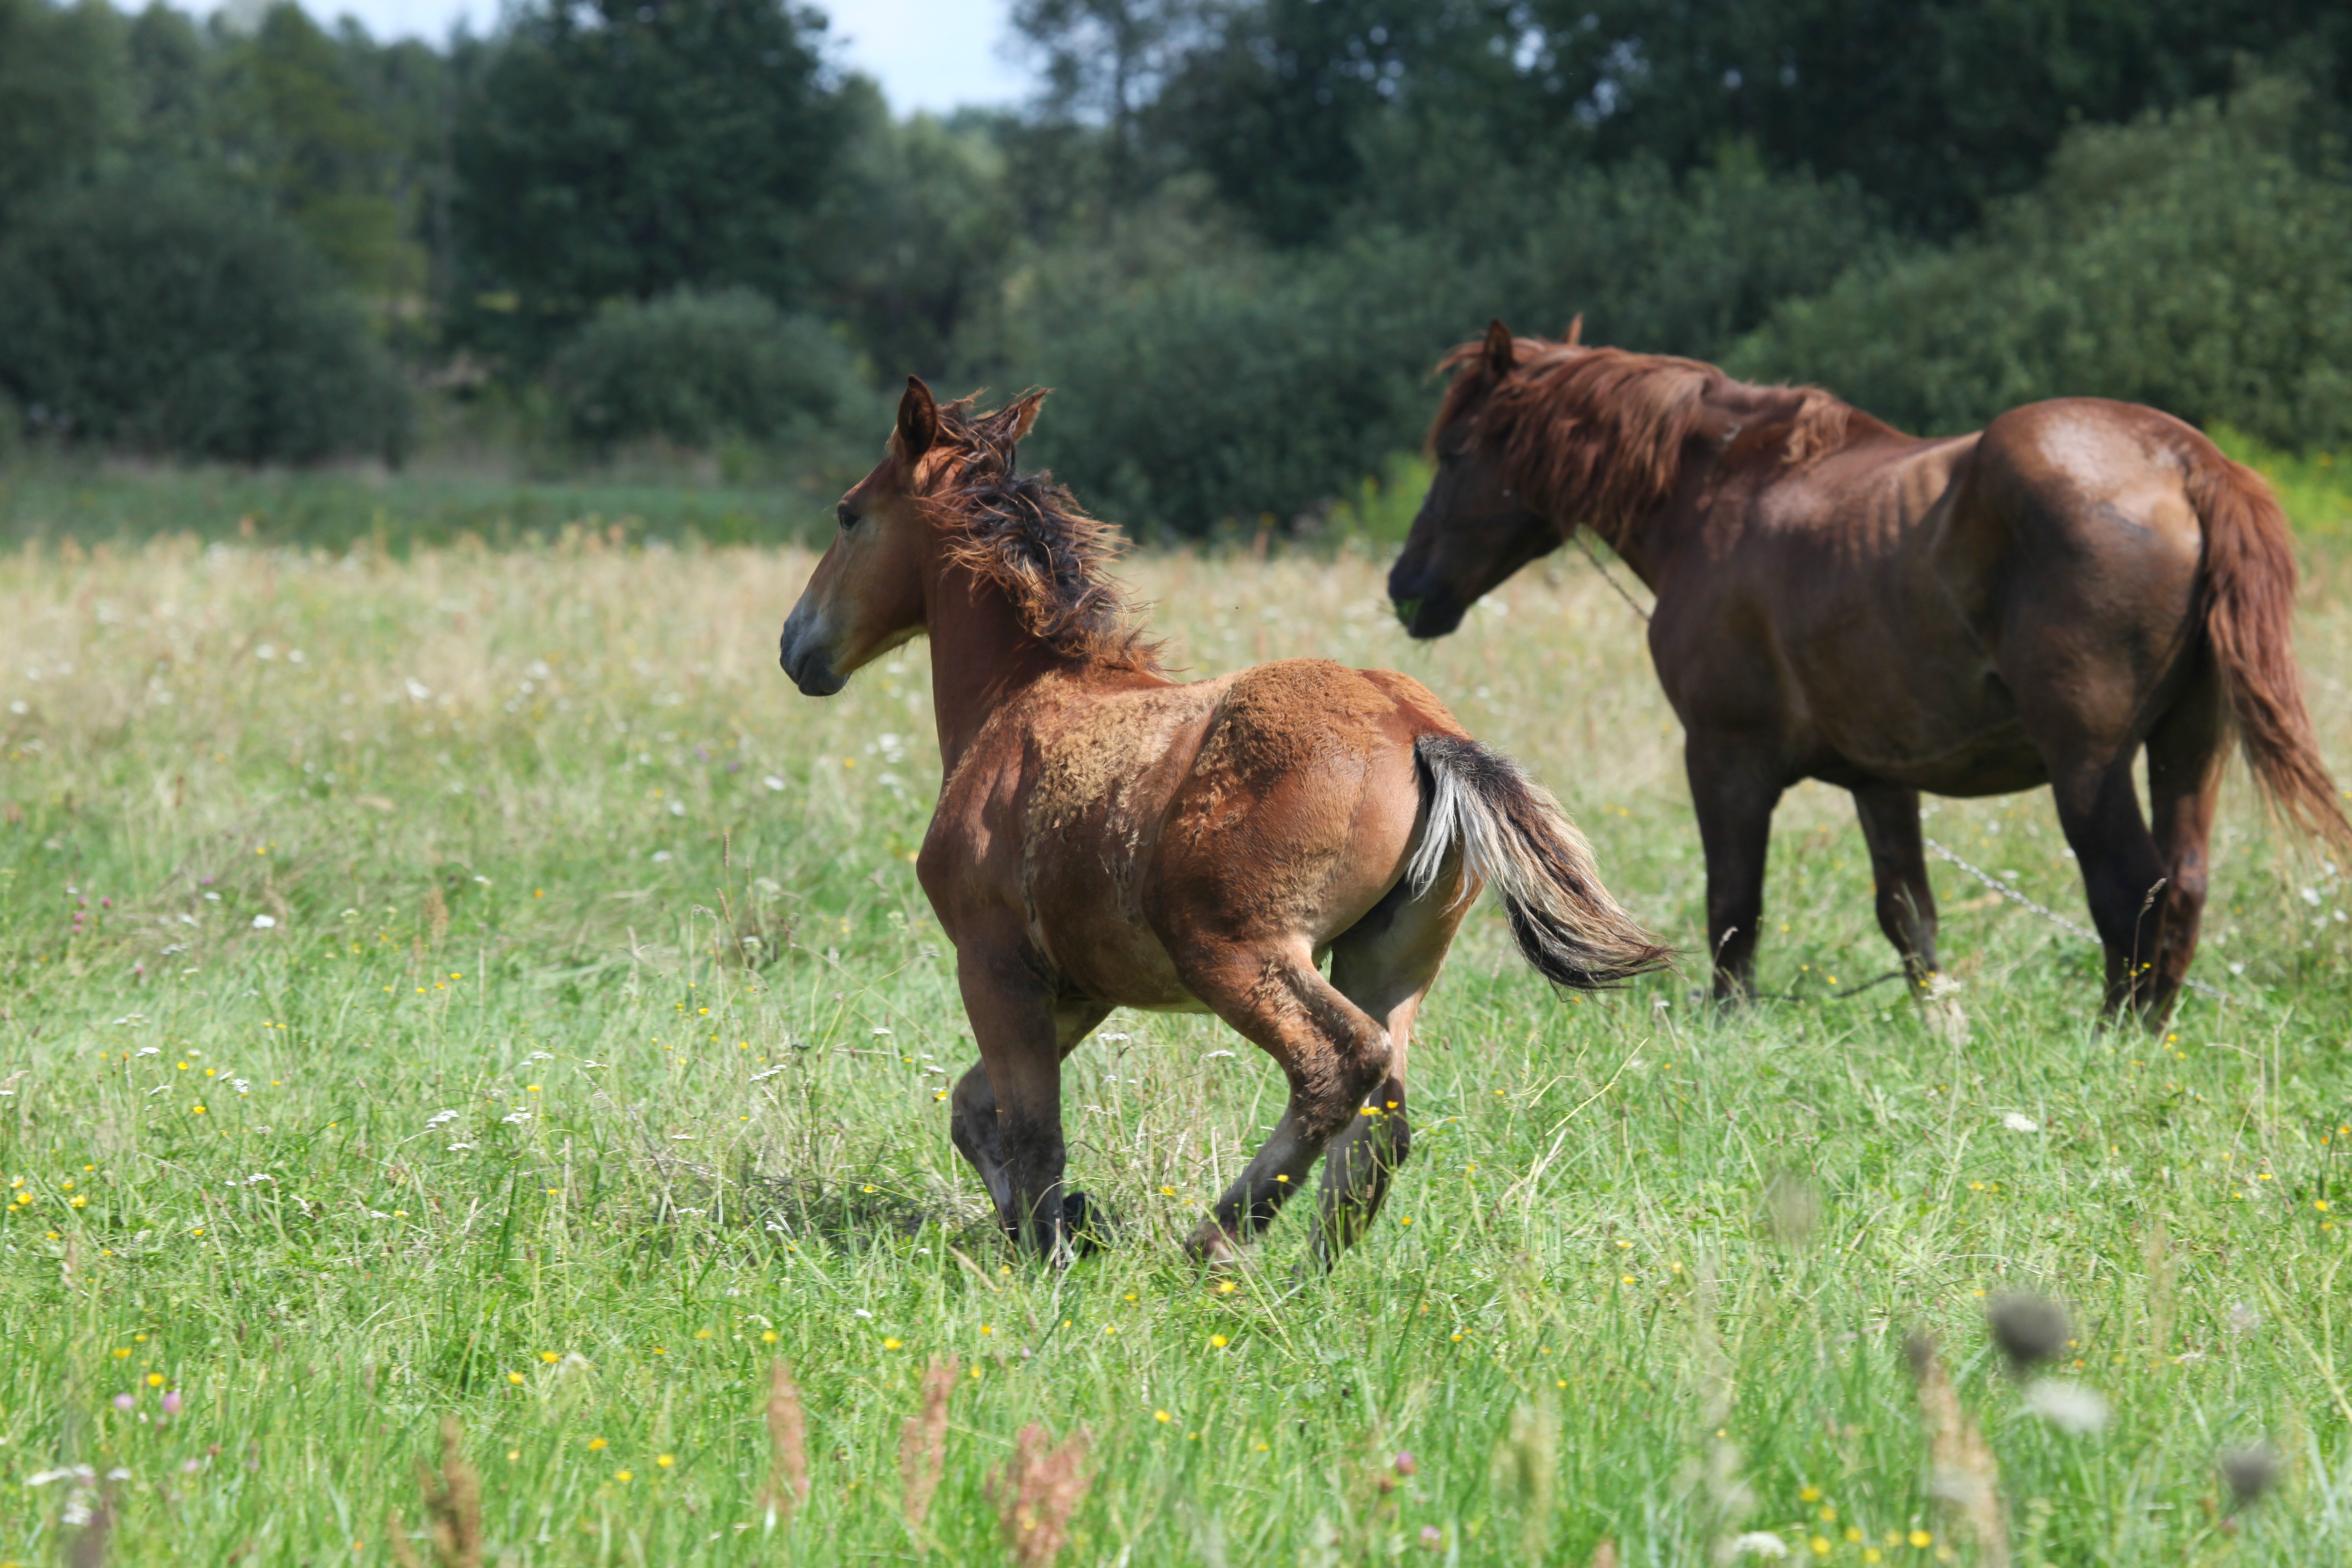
(263, 923)
(2069, 1406)
(1759, 1543)
(2017, 1123)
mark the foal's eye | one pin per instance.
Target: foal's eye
(848, 518)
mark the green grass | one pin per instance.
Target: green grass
(91, 504)
(668, 1146)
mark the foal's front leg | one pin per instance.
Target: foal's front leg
(973, 1122)
(1020, 1030)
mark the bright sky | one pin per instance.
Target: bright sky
(927, 54)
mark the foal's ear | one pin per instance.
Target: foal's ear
(1502, 354)
(1575, 332)
(919, 420)
(1021, 414)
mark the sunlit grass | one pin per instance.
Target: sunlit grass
(479, 985)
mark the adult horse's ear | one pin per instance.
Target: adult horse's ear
(1502, 354)
(1575, 332)
(919, 420)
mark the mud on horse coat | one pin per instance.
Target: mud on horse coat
(1107, 836)
(2033, 603)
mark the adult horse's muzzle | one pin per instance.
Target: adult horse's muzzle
(802, 651)
(1423, 611)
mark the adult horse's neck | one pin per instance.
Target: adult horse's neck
(981, 655)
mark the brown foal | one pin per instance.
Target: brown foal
(2033, 603)
(1107, 836)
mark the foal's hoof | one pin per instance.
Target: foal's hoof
(1088, 1225)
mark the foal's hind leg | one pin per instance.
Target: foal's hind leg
(1385, 965)
(1332, 1052)
(2184, 782)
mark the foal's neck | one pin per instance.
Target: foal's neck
(980, 656)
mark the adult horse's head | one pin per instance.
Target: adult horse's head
(1476, 525)
(867, 595)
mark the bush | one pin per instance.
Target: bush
(166, 318)
(2189, 262)
(697, 369)
(1202, 381)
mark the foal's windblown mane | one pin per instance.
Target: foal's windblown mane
(1029, 536)
(1597, 436)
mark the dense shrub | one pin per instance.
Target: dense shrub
(2193, 263)
(166, 318)
(1201, 379)
(696, 369)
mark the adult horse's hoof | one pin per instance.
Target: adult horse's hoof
(1088, 1225)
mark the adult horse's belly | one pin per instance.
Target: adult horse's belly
(1911, 700)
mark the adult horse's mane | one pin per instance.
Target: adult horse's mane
(1028, 535)
(1597, 436)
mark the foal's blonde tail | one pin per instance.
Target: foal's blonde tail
(1514, 835)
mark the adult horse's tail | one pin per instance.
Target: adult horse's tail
(1514, 835)
(2249, 613)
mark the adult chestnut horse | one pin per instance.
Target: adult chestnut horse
(1107, 836)
(2028, 604)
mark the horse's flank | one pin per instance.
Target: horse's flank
(1600, 435)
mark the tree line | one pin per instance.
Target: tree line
(1233, 233)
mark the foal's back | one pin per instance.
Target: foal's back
(1279, 802)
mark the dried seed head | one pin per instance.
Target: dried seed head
(923, 1442)
(2250, 1472)
(788, 1480)
(2029, 1329)
(1792, 1207)
(1036, 1494)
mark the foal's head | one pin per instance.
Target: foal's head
(947, 495)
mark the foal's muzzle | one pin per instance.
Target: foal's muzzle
(807, 662)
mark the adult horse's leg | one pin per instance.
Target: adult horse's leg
(2185, 753)
(972, 1121)
(2123, 875)
(1898, 869)
(1733, 791)
(1906, 903)
(1333, 1053)
(1385, 965)
(1014, 1019)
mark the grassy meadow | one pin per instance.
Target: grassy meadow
(473, 982)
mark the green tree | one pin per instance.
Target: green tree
(915, 228)
(618, 151)
(2192, 261)
(167, 316)
(62, 105)
(298, 117)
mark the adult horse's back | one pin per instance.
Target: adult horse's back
(2030, 605)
